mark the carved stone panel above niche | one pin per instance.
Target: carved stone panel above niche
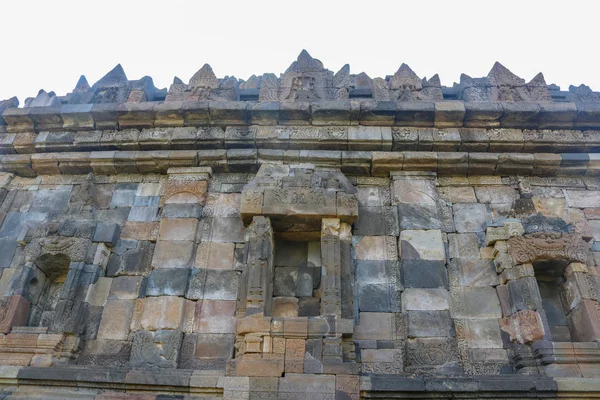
(297, 199)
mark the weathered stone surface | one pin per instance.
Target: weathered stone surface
(173, 254)
(164, 282)
(583, 198)
(175, 229)
(425, 299)
(116, 318)
(215, 316)
(430, 324)
(463, 246)
(424, 273)
(421, 245)
(470, 217)
(125, 288)
(164, 312)
(377, 248)
(377, 221)
(214, 255)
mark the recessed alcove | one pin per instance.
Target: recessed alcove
(297, 278)
(48, 281)
(549, 275)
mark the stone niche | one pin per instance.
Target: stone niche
(552, 305)
(291, 317)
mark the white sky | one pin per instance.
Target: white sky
(49, 44)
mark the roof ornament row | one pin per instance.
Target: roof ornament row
(308, 80)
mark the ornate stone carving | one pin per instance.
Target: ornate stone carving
(431, 352)
(547, 246)
(305, 80)
(204, 85)
(405, 85)
(540, 223)
(259, 260)
(155, 349)
(503, 85)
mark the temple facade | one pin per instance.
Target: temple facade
(309, 235)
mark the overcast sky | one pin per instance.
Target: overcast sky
(49, 44)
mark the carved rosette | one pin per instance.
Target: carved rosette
(547, 246)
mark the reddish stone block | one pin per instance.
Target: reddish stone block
(524, 326)
(13, 312)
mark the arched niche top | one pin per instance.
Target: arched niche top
(51, 254)
(297, 198)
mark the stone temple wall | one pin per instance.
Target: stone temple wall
(334, 236)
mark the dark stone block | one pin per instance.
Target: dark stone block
(92, 316)
(430, 324)
(395, 383)
(291, 254)
(524, 294)
(415, 216)
(221, 284)
(134, 260)
(379, 285)
(374, 297)
(293, 281)
(8, 247)
(182, 211)
(424, 274)
(539, 223)
(167, 282)
(309, 307)
(50, 201)
(523, 207)
(107, 233)
(377, 221)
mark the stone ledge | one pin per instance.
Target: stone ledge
(281, 137)
(173, 381)
(351, 162)
(449, 113)
(474, 387)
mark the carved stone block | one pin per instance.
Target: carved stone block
(158, 349)
(523, 327)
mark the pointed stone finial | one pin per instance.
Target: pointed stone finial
(205, 78)
(305, 63)
(499, 75)
(82, 85)
(342, 77)
(115, 78)
(252, 83)
(405, 78)
(538, 80)
(177, 81)
(434, 81)
(308, 64)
